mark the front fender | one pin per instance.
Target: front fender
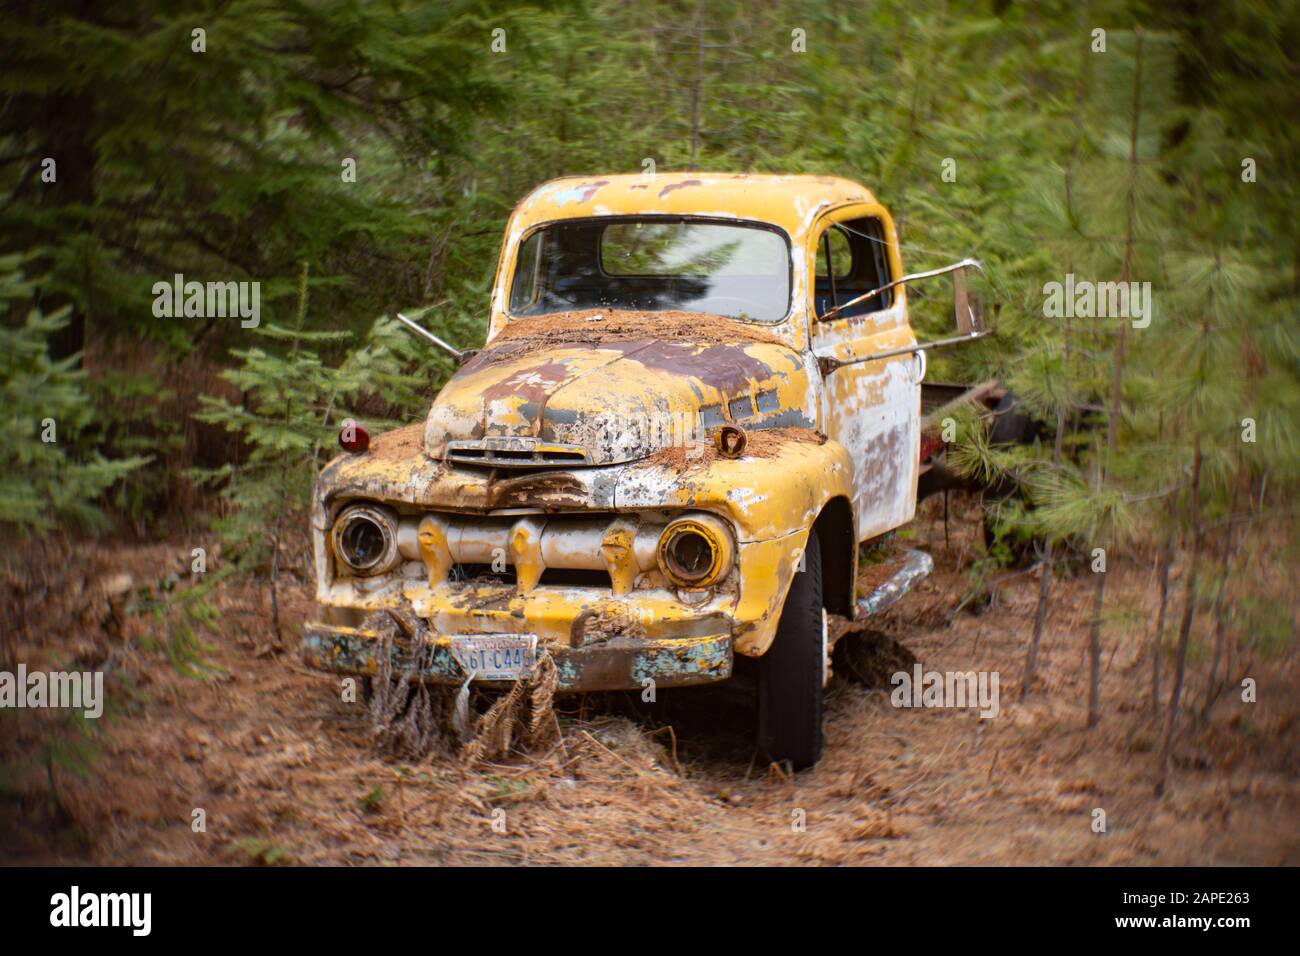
(777, 488)
(773, 496)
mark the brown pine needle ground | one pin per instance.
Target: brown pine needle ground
(286, 772)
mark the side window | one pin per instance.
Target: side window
(835, 249)
(867, 268)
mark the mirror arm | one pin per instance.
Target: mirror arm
(827, 364)
(942, 270)
(447, 347)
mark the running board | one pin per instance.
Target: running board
(916, 566)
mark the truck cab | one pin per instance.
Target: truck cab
(699, 393)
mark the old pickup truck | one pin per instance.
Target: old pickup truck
(699, 395)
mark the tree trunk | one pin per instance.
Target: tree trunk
(69, 142)
(1185, 628)
(1117, 378)
(1116, 385)
(1212, 690)
(1166, 559)
(697, 88)
(1040, 618)
(1045, 583)
(1094, 651)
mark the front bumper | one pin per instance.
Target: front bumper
(621, 663)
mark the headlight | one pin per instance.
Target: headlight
(695, 551)
(365, 539)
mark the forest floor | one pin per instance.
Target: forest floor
(285, 772)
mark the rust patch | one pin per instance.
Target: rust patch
(768, 442)
(484, 594)
(707, 347)
(534, 383)
(551, 489)
(728, 368)
(580, 194)
(682, 459)
(604, 623)
(682, 185)
(399, 443)
(596, 326)
(759, 443)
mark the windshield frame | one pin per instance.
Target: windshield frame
(508, 282)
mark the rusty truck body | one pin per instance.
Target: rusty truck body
(699, 394)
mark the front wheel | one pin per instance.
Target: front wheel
(793, 671)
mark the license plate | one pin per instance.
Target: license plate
(495, 656)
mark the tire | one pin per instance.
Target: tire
(792, 672)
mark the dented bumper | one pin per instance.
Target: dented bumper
(621, 663)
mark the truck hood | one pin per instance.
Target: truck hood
(603, 388)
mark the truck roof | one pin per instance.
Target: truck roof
(790, 202)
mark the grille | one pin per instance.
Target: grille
(516, 453)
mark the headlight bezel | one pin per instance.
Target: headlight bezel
(677, 568)
(365, 518)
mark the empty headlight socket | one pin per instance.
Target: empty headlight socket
(696, 551)
(364, 539)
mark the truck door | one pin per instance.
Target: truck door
(872, 408)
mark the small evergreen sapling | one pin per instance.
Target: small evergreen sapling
(288, 420)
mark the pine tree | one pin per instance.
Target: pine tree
(212, 141)
(48, 476)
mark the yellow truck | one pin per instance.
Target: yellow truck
(699, 395)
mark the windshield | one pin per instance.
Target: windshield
(737, 270)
